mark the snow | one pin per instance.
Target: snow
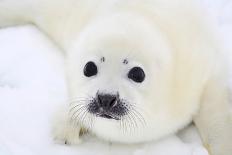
(32, 86)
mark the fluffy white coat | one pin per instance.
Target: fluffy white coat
(186, 70)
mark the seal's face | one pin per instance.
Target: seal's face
(108, 103)
(120, 81)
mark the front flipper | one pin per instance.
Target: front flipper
(65, 131)
(214, 120)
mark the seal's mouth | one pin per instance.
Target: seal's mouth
(107, 116)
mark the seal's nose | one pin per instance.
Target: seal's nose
(107, 106)
(107, 101)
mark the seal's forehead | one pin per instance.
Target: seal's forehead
(141, 50)
(132, 37)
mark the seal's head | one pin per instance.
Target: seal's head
(121, 74)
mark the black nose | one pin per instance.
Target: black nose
(107, 101)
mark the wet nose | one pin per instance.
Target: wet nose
(107, 101)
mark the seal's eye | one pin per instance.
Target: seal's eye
(90, 69)
(136, 74)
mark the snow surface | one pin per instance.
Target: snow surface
(32, 86)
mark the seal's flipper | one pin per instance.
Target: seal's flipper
(64, 131)
(214, 120)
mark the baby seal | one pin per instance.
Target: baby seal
(137, 70)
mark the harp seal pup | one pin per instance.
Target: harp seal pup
(137, 70)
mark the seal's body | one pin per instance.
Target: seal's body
(137, 70)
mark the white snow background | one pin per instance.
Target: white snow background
(32, 86)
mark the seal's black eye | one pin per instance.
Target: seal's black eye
(136, 74)
(90, 69)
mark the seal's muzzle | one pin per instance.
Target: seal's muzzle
(107, 106)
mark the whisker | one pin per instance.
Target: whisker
(75, 106)
(84, 116)
(140, 117)
(137, 117)
(123, 125)
(129, 123)
(78, 110)
(134, 119)
(87, 120)
(138, 114)
(91, 122)
(78, 117)
(133, 122)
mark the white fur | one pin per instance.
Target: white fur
(186, 74)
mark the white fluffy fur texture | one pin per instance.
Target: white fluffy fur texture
(186, 70)
(32, 83)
